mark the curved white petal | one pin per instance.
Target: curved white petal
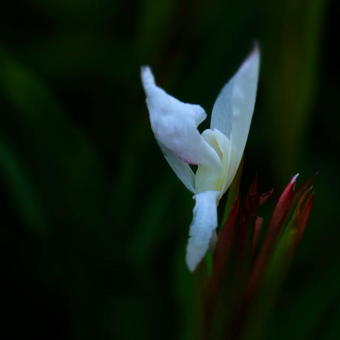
(210, 178)
(181, 169)
(174, 124)
(233, 109)
(202, 227)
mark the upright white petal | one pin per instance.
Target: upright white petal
(181, 169)
(174, 124)
(202, 227)
(233, 109)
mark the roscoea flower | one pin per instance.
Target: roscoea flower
(216, 152)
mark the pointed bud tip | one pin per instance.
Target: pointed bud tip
(294, 178)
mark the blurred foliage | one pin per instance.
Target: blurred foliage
(94, 223)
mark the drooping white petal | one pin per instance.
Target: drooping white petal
(202, 227)
(233, 109)
(174, 124)
(181, 169)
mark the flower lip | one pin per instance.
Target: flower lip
(174, 124)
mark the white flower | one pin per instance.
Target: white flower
(217, 151)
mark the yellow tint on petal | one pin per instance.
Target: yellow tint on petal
(209, 177)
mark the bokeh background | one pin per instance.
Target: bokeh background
(93, 222)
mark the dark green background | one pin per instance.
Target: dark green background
(93, 222)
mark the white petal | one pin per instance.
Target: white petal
(207, 177)
(202, 227)
(233, 109)
(174, 124)
(181, 169)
